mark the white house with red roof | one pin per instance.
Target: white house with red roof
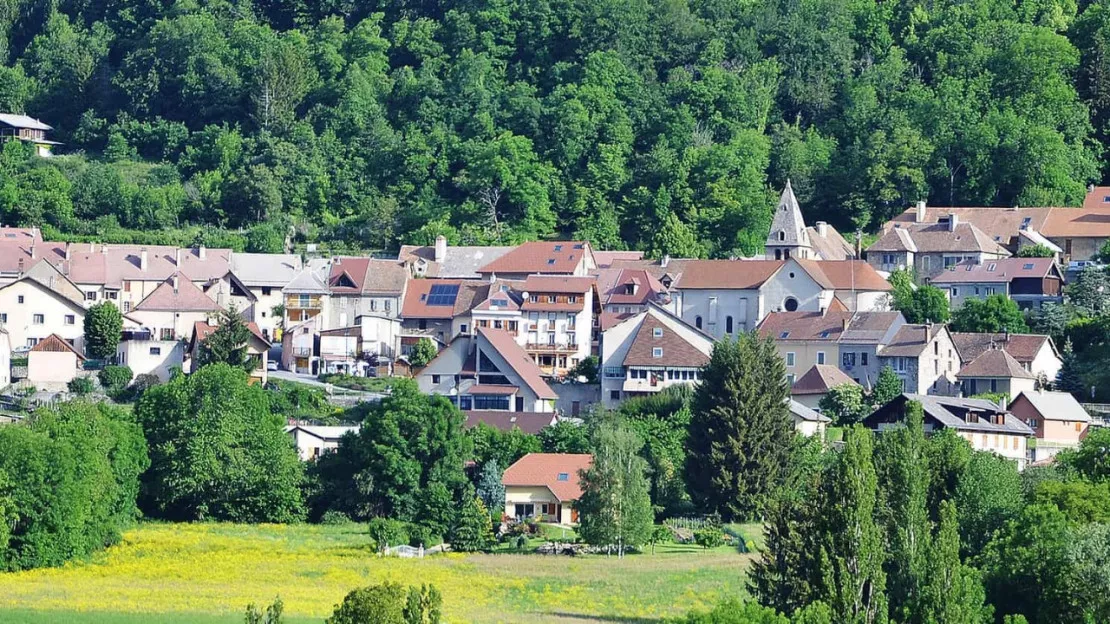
(545, 486)
(560, 320)
(39, 303)
(649, 352)
(172, 309)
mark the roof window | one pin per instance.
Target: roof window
(558, 247)
(563, 476)
(550, 261)
(991, 266)
(1028, 266)
(784, 335)
(657, 352)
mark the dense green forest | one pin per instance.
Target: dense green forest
(663, 125)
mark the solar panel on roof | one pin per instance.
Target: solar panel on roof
(443, 294)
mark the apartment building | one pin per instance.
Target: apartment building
(560, 313)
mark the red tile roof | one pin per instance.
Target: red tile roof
(730, 274)
(415, 304)
(820, 379)
(825, 326)
(994, 363)
(558, 472)
(186, 297)
(493, 389)
(503, 342)
(202, 330)
(840, 274)
(541, 257)
(677, 351)
(557, 284)
(1023, 347)
(347, 275)
(1000, 271)
(528, 422)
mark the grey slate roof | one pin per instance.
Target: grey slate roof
(22, 121)
(871, 327)
(788, 219)
(458, 261)
(1055, 405)
(942, 408)
(258, 269)
(312, 280)
(805, 413)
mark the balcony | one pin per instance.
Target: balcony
(303, 303)
(545, 347)
(302, 351)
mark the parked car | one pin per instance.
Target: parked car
(271, 365)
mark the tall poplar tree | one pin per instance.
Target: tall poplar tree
(741, 433)
(615, 506)
(851, 549)
(901, 465)
(953, 592)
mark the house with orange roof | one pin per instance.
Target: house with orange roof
(572, 258)
(545, 486)
(1030, 282)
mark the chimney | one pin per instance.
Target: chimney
(104, 249)
(32, 251)
(177, 260)
(953, 221)
(822, 229)
(665, 261)
(21, 267)
(441, 248)
(175, 282)
(1090, 188)
(69, 251)
(919, 216)
(201, 252)
(92, 247)
(143, 259)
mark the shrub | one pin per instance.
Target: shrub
(709, 537)
(272, 614)
(142, 383)
(81, 386)
(333, 517)
(114, 378)
(423, 535)
(389, 603)
(387, 532)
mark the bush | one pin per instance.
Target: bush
(142, 383)
(422, 535)
(389, 603)
(81, 386)
(272, 614)
(709, 537)
(333, 517)
(115, 378)
(387, 532)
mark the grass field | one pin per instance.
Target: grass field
(208, 573)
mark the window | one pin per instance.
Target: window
(32, 342)
(1027, 266)
(863, 358)
(113, 295)
(156, 350)
(614, 395)
(936, 348)
(1079, 426)
(563, 476)
(888, 258)
(90, 295)
(782, 235)
(613, 372)
(784, 335)
(790, 359)
(955, 292)
(572, 299)
(790, 379)
(657, 352)
(71, 319)
(126, 306)
(126, 286)
(697, 320)
(167, 333)
(265, 290)
(4, 317)
(463, 328)
(657, 332)
(820, 357)
(20, 299)
(728, 324)
(551, 298)
(534, 298)
(790, 305)
(435, 379)
(373, 305)
(38, 319)
(848, 359)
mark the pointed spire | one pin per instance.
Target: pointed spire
(788, 229)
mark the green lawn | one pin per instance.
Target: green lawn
(208, 573)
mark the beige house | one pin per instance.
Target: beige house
(545, 486)
(995, 371)
(1036, 353)
(53, 362)
(805, 339)
(807, 421)
(312, 441)
(1059, 422)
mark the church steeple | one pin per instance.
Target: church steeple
(788, 236)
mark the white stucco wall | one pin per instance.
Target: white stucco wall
(21, 324)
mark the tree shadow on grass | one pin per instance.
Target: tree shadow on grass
(606, 618)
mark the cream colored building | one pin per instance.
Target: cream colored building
(53, 363)
(545, 486)
(39, 303)
(1059, 422)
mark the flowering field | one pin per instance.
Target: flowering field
(201, 573)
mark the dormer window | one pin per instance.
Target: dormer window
(782, 235)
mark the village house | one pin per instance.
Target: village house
(312, 441)
(530, 423)
(361, 286)
(265, 275)
(816, 382)
(53, 362)
(306, 295)
(146, 353)
(1036, 353)
(42, 302)
(924, 358)
(570, 258)
(985, 425)
(995, 372)
(448, 261)
(172, 309)
(257, 346)
(808, 421)
(861, 343)
(545, 486)
(1030, 282)
(627, 292)
(929, 248)
(439, 309)
(805, 339)
(488, 371)
(14, 127)
(1058, 421)
(560, 311)
(649, 352)
(298, 348)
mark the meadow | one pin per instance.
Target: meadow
(208, 573)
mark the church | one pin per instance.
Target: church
(790, 238)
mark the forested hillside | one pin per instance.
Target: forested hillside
(663, 125)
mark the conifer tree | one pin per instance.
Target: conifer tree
(887, 387)
(473, 532)
(228, 343)
(851, 554)
(741, 433)
(1069, 378)
(490, 488)
(901, 465)
(953, 593)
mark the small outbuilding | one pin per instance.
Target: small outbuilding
(53, 362)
